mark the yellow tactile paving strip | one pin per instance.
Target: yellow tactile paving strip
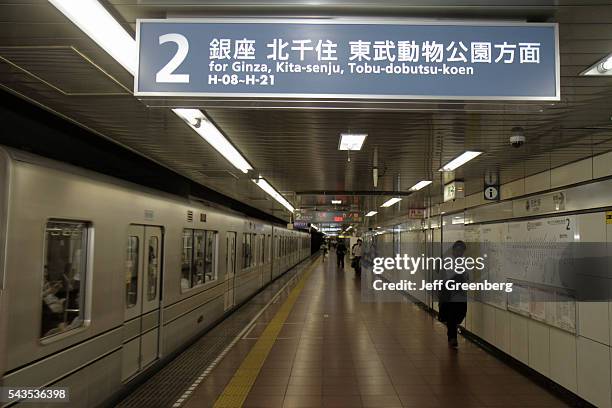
(237, 390)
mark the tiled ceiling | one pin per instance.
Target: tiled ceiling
(294, 144)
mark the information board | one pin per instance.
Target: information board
(339, 58)
(537, 257)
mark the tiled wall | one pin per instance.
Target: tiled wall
(580, 362)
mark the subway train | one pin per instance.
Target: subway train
(100, 279)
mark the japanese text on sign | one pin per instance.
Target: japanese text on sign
(514, 61)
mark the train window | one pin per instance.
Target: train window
(186, 259)
(231, 253)
(64, 275)
(131, 272)
(199, 256)
(262, 249)
(246, 251)
(153, 271)
(199, 252)
(210, 270)
(276, 247)
(253, 250)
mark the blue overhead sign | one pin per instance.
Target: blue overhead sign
(345, 59)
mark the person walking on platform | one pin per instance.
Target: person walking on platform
(453, 303)
(324, 249)
(357, 251)
(340, 253)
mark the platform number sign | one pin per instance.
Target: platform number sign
(326, 58)
(491, 186)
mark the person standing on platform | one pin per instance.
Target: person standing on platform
(453, 303)
(340, 253)
(357, 251)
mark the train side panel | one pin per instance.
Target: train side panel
(50, 204)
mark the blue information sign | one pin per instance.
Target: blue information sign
(345, 59)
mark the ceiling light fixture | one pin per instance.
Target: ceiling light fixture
(371, 213)
(601, 67)
(265, 186)
(605, 65)
(391, 201)
(460, 161)
(95, 21)
(336, 201)
(209, 132)
(350, 141)
(420, 185)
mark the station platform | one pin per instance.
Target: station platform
(319, 345)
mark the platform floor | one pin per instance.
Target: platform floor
(323, 347)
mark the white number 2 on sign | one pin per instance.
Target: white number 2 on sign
(166, 74)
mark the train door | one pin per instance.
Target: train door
(262, 261)
(141, 326)
(230, 269)
(3, 334)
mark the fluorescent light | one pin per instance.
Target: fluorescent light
(420, 185)
(209, 132)
(371, 213)
(349, 141)
(460, 161)
(601, 67)
(391, 201)
(93, 19)
(336, 202)
(265, 186)
(606, 65)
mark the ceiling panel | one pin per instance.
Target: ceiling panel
(294, 144)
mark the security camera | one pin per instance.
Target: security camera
(517, 137)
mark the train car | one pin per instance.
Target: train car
(101, 279)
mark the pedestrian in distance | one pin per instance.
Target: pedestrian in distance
(357, 252)
(340, 253)
(453, 303)
(324, 249)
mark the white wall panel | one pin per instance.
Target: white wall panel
(594, 372)
(537, 182)
(539, 347)
(563, 368)
(602, 165)
(594, 321)
(513, 189)
(502, 330)
(572, 173)
(519, 338)
(477, 319)
(488, 323)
